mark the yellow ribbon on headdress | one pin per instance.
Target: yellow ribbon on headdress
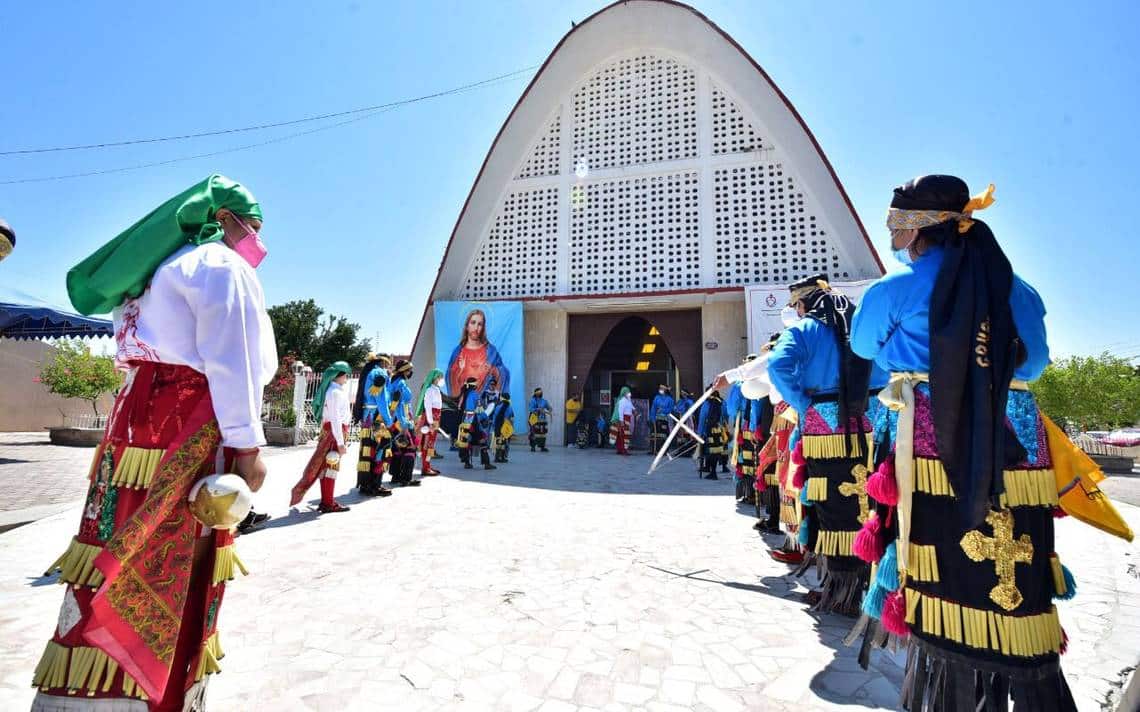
(981, 201)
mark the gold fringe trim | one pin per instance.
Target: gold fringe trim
(817, 489)
(1018, 636)
(1058, 575)
(832, 543)
(828, 447)
(77, 565)
(788, 515)
(772, 479)
(136, 467)
(225, 561)
(81, 670)
(930, 477)
(922, 565)
(1030, 488)
(208, 660)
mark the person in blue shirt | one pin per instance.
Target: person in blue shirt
(503, 417)
(813, 368)
(738, 412)
(659, 423)
(538, 416)
(374, 434)
(962, 333)
(602, 429)
(711, 427)
(474, 427)
(401, 407)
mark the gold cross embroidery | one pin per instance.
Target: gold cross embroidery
(1005, 551)
(859, 487)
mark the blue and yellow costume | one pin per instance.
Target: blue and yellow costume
(538, 414)
(503, 425)
(401, 403)
(659, 424)
(370, 410)
(712, 426)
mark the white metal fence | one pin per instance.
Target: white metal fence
(305, 386)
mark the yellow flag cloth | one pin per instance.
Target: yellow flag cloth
(1077, 478)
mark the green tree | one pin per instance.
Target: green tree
(304, 330)
(74, 372)
(1090, 392)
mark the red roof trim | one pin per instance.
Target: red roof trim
(526, 92)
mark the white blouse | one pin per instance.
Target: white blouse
(625, 408)
(337, 412)
(204, 308)
(432, 399)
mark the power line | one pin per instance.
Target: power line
(276, 124)
(379, 110)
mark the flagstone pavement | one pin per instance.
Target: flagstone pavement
(565, 581)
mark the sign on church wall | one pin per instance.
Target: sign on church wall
(763, 304)
(483, 340)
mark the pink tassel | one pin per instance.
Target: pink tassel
(894, 614)
(799, 476)
(759, 485)
(798, 454)
(869, 543)
(1064, 642)
(882, 485)
(1059, 513)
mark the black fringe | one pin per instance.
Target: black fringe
(943, 681)
(841, 590)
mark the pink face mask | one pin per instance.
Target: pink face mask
(250, 247)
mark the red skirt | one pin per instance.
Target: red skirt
(317, 463)
(145, 580)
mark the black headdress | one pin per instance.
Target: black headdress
(833, 309)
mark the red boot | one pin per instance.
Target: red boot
(328, 504)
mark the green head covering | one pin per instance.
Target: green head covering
(624, 392)
(434, 374)
(122, 268)
(319, 397)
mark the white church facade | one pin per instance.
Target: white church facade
(648, 174)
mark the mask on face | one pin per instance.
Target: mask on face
(250, 247)
(789, 316)
(902, 255)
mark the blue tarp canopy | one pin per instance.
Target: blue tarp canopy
(23, 316)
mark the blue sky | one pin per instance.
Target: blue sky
(1040, 98)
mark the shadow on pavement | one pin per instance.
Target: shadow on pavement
(593, 470)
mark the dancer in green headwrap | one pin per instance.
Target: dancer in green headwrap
(621, 421)
(145, 579)
(332, 410)
(429, 405)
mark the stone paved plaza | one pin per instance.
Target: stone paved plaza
(567, 581)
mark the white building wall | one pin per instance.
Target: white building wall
(725, 324)
(423, 359)
(546, 353)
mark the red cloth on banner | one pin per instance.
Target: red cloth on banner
(317, 464)
(137, 616)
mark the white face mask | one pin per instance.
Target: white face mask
(789, 315)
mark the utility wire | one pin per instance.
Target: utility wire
(379, 110)
(276, 124)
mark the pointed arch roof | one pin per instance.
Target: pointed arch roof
(670, 27)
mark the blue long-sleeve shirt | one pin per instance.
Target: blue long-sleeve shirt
(503, 413)
(682, 405)
(892, 321)
(805, 363)
(733, 402)
(376, 397)
(706, 421)
(661, 406)
(400, 396)
(538, 404)
(470, 406)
